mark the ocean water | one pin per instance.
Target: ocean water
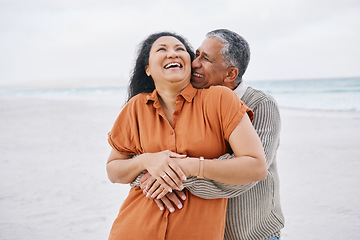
(341, 94)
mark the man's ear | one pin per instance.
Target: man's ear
(231, 75)
(147, 70)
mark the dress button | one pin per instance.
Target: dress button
(171, 133)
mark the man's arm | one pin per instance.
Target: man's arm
(209, 189)
(136, 181)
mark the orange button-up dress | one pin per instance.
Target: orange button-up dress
(202, 123)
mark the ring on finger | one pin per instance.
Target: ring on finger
(164, 175)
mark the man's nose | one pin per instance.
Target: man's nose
(196, 63)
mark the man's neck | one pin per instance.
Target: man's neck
(231, 85)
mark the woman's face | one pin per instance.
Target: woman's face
(169, 61)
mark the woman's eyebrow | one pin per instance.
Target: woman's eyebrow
(165, 45)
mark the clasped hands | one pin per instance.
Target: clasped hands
(162, 177)
(169, 199)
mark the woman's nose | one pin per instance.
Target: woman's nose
(172, 53)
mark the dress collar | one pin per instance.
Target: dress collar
(188, 93)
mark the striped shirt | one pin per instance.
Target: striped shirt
(253, 210)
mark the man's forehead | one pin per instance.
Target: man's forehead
(202, 50)
(210, 47)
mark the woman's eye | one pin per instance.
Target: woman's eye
(161, 49)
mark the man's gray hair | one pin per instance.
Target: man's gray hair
(235, 51)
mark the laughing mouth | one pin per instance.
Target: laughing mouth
(173, 65)
(198, 75)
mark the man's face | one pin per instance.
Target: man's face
(207, 67)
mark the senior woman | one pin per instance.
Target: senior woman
(166, 119)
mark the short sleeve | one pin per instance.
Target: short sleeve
(231, 110)
(123, 136)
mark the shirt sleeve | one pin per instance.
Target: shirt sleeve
(136, 181)
(267, 123)
(230, 108)
(124, 137)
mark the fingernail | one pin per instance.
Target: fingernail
(169, 190)
(179, 206)
(183, 178)
(172, 209)
(183, 197)
(162, 208)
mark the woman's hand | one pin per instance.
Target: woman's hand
(153, 188)
(147, 181)
(162, 165)
(166, 173)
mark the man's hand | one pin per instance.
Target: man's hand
(170, 200)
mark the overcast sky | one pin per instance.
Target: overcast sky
(68, 40)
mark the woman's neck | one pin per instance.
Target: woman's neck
(168, 96)
(167, 102)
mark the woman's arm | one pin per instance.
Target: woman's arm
(122, 168)
(267, 124)
(248, 166)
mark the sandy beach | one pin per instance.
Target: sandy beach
(53, 183)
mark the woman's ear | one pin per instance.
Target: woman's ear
(231, 75)
(147, 70)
